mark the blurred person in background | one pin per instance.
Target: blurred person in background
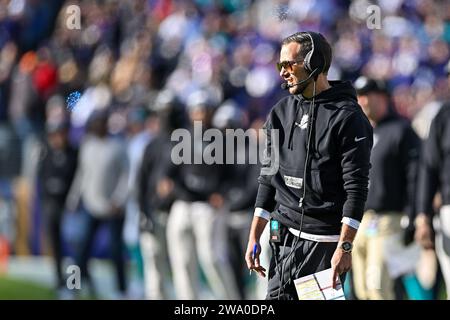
(155, 193)
(435, 177)
(100, 186)
(243, 185)
(392, 189)
(8, 56)
(56, 172)
(198, 223)
(429, 272)
(140, 132)
(9, 147)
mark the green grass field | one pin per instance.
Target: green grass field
(14, 289)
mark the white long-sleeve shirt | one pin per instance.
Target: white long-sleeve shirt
(102, 176)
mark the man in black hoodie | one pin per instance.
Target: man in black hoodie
(316, 199)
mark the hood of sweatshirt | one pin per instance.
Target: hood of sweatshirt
(339, 90)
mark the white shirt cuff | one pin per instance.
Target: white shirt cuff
(351, 222)
(260, 212)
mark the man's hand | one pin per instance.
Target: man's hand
(256, 229)
(341, 262)
(253, 264)
(423, 234)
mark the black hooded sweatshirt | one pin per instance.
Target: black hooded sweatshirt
(434, 174)
(337, 171)
(395, 160)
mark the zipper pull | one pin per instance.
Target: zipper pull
(300, 203)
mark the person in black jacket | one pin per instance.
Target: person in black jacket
(316, 199)
(154, 193)
(393, 180)
(197, 223)
(243, 185)
(56, 173)
(434, 176)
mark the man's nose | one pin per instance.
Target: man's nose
(284, 73)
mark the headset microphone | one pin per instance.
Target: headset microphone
(286, 86)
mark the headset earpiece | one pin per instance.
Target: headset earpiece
(307, 61)
(314, 59)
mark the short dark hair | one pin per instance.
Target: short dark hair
(304, 40)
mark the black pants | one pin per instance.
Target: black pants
(53, 211)
(115, 226)
(293, 258)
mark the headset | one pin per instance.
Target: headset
(315, 59)
(314, 64)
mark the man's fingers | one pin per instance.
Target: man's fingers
(250, 264)
(335, 275)
(261, 274)
(257, 261)
(261, 271)
(249, 260)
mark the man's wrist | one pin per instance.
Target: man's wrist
(260, 212)
(345, 246)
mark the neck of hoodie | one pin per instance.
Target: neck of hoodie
(321, 85)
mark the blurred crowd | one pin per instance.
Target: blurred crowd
(145, 68)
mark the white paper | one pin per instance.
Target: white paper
(318, 286)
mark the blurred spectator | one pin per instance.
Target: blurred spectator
(243, 185)
(100, 185)
(56, 172)
(155, 194)
(394, 161)
(434, 177)
(197, 224)
(22, 94)
(140, 132)
(8, 56)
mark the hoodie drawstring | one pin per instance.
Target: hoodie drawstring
(291, 132)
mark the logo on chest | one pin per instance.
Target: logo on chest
(303, 122)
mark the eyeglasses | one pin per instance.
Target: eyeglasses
(287, 65)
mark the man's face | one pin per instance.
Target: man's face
(57, 139)
(293, 72)
(369, 102)
(198, 114)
